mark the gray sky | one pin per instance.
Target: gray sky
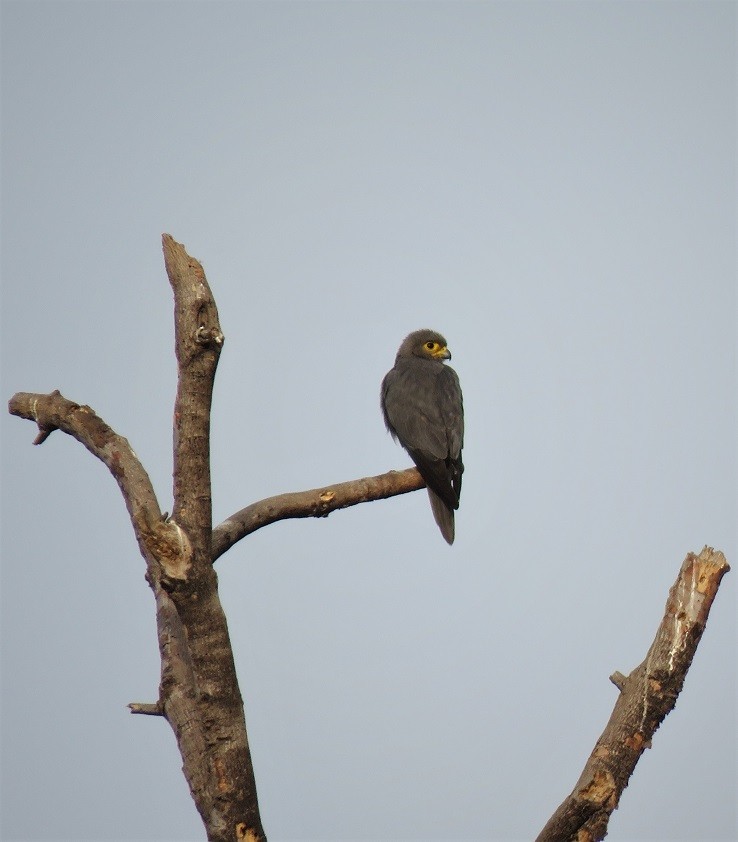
(552, 186)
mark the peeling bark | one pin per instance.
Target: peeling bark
(647, 695)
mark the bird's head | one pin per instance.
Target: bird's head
(426, 344)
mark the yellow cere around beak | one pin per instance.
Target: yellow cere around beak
(442, 353)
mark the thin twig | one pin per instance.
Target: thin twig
(147, 708)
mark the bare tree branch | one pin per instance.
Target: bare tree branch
(157, 539)
(199, 689)
(54, 412)
(318, 502)
(198, 342)
(647, 695)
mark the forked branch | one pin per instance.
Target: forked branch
(196, 656)
(198, 692)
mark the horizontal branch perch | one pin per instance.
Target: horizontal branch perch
(318, 502)
(647, 695)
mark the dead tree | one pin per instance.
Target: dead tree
(198, 692)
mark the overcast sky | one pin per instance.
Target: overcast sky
(550, 185)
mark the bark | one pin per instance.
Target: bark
(647, 695)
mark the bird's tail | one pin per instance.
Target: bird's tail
(444, 516)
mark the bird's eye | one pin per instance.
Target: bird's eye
(430, 345)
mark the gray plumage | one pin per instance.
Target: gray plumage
(423, 410)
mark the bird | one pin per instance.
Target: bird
(423, 409)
